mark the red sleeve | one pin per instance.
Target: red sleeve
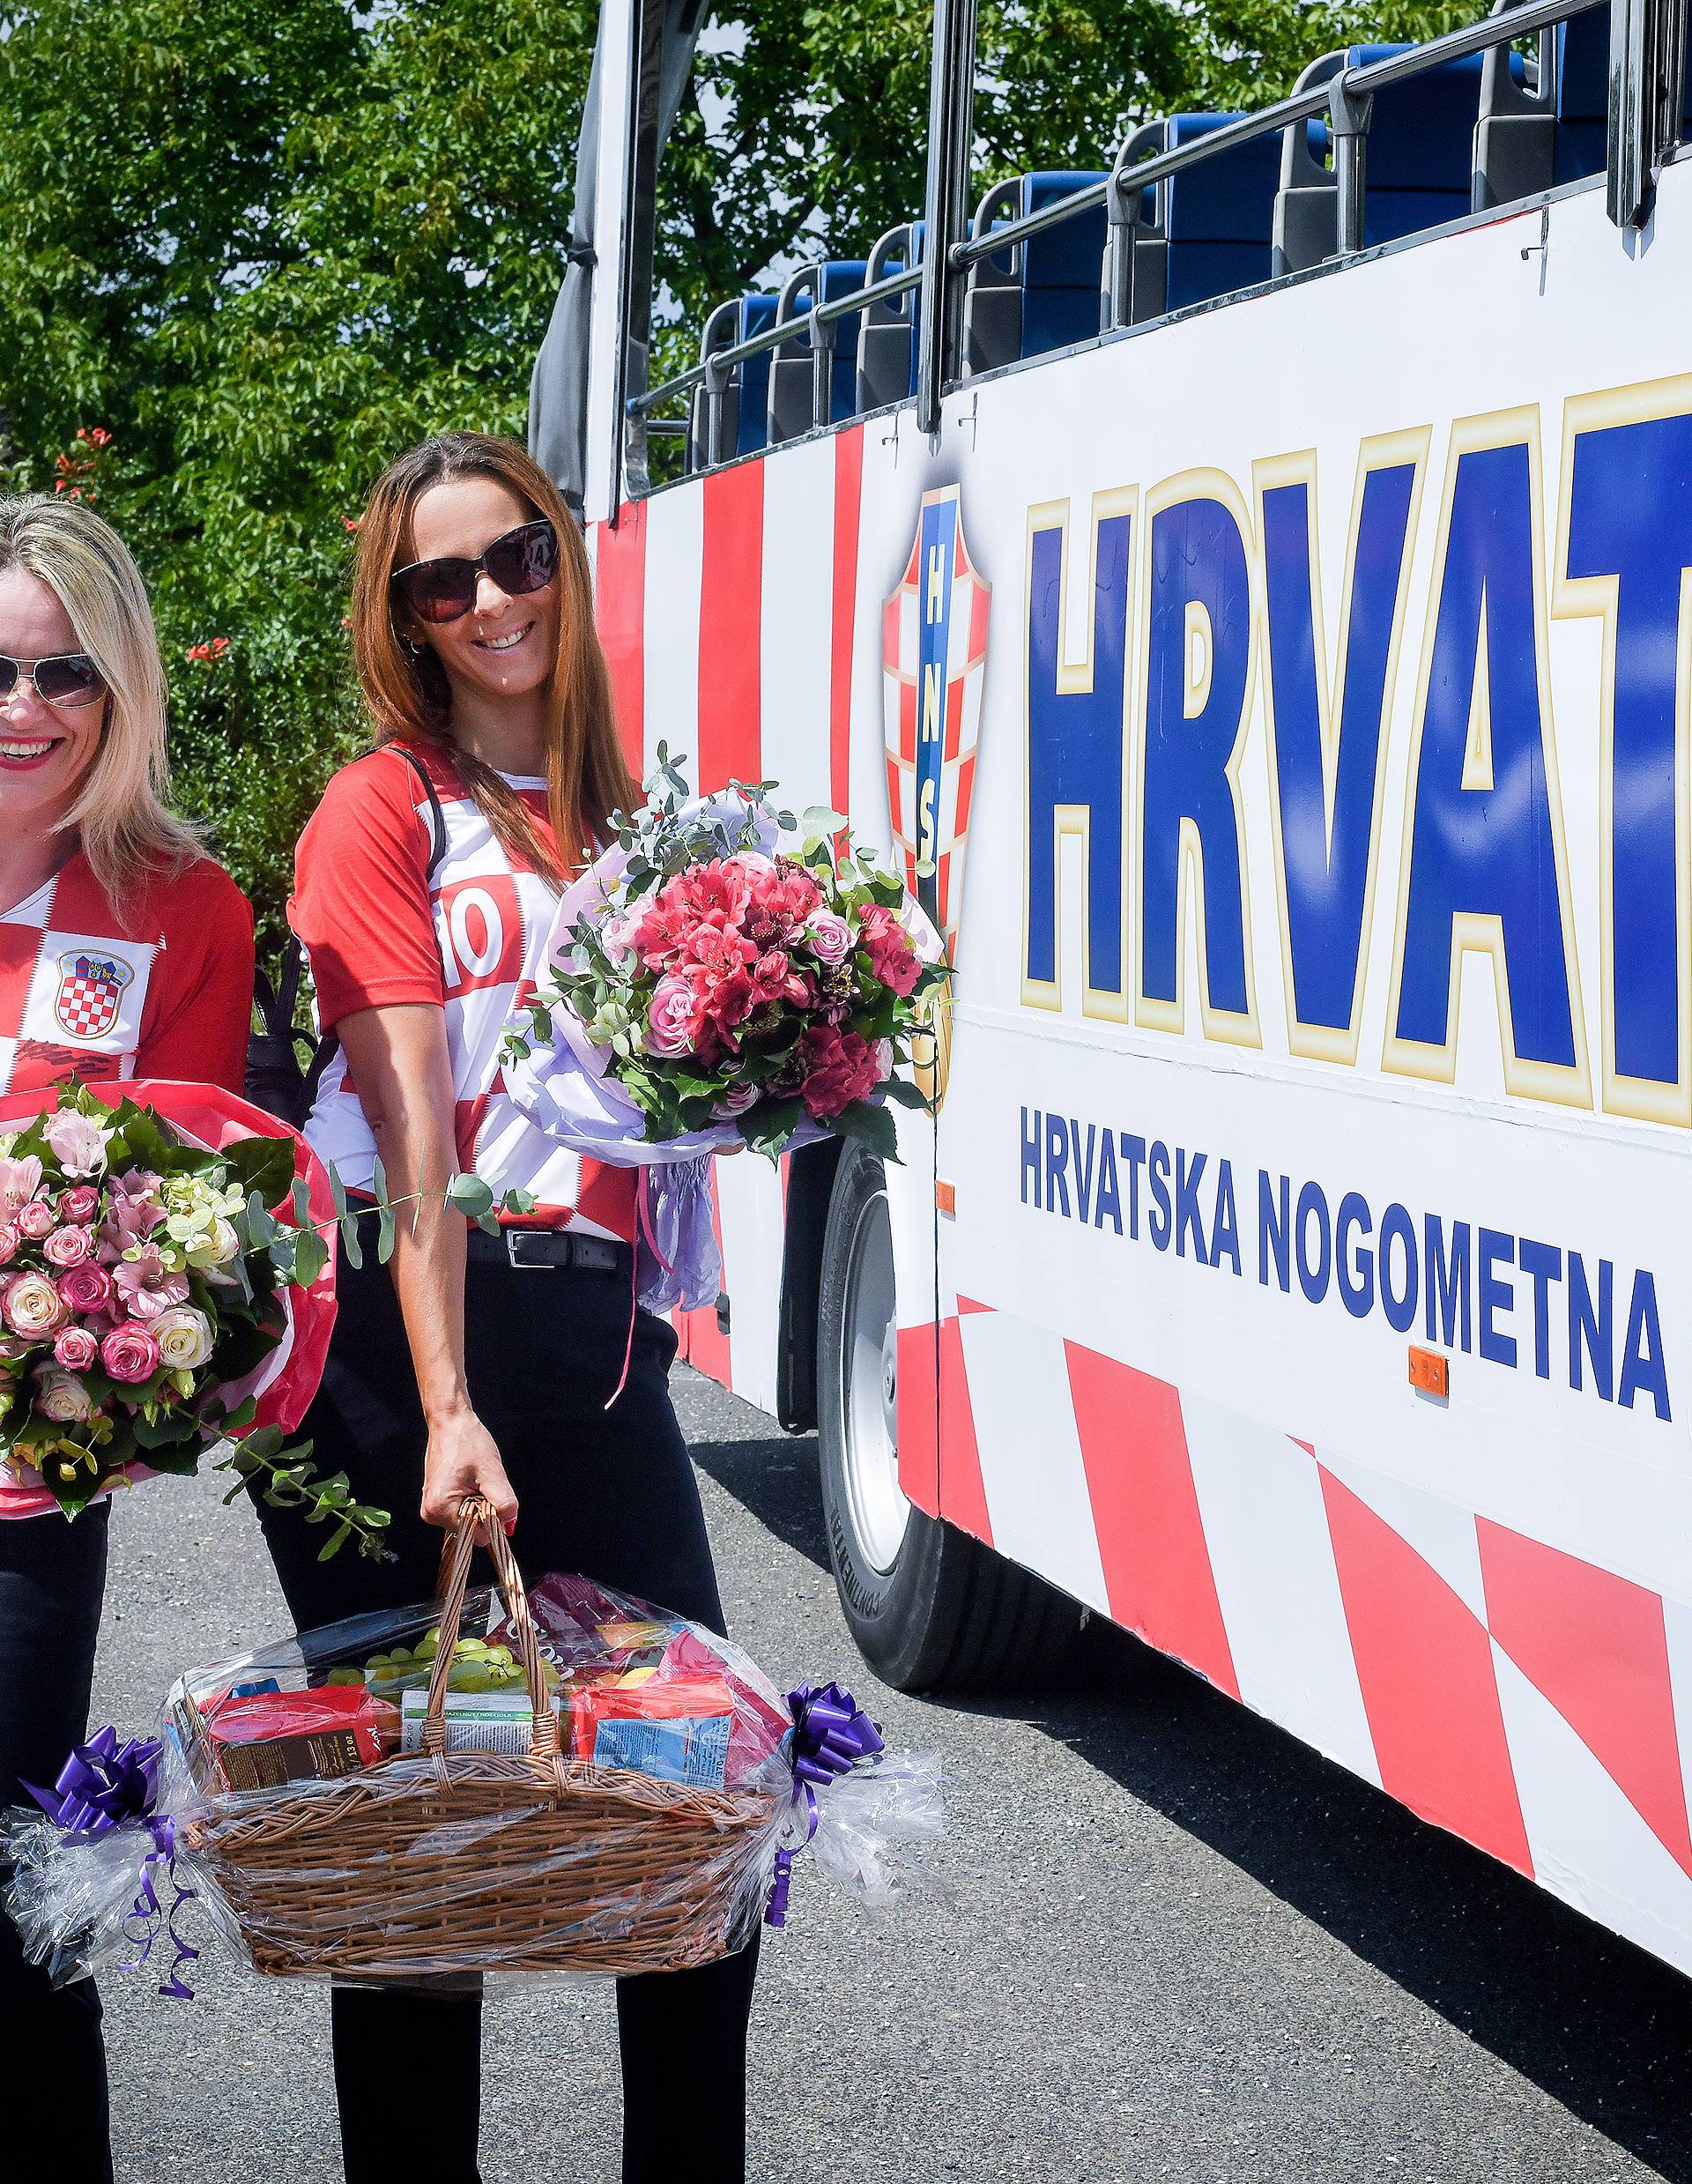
(361, 900)
(199, 1006)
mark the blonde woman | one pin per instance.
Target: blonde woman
(124, 952)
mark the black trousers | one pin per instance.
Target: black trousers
(52, 1579)
(611, 1494)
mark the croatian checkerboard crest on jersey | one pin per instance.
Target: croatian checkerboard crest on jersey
(90, 992)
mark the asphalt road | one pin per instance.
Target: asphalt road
(1172, 1944)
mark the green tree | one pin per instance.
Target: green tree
(267, 246)
(805, 128)
(268, 243)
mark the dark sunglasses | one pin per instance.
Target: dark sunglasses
(65, 678)
(524, 560)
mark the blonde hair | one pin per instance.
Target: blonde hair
(405, 687)
(127, 831)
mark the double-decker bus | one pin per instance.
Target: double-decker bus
(1248, 584)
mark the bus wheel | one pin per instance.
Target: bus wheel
(930, 1607)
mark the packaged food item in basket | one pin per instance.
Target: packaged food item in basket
(632, 1798)
(475, 1721)
(260, 1739)
(678, 1731)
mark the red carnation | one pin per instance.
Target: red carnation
(841, 1066)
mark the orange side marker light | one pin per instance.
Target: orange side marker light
(1430, 1372)
(946, 1200)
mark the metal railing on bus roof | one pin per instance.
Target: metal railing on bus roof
(1343, 99)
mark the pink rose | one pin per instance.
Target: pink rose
(9, 1241)
(19, 1180)
(76, 1348)
(68, 1247)
(79, 1204)
(145, 1286)
(841, 1066)
(61, 1398)
(829, 935)
(35, 1219)
(33, 1307)
(673, 1017)
(85, 1289)
(129, 1354)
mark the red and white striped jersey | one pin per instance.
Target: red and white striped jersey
(380, 930)
(162, 990)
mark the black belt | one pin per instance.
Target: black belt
(551, 1248)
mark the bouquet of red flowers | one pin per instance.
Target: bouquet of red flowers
(166, 1287)
(729, 987)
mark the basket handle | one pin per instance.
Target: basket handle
(475, 1519)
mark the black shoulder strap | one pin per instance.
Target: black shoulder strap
(437, 817)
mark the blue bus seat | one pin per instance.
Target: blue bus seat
(1537, 132)
(791, 401)
(1207, 230)
(886, 331)
(746, 395)
(1040, 294)
(1418, 164)
(1220, 214)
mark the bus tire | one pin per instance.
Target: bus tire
(930, 1607)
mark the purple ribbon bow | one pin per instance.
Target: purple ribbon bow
(831, 1733)
(102, 1783)
(831, 1736)
(106, 1785)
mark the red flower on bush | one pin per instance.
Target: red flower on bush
(208, 654)
(78, 473)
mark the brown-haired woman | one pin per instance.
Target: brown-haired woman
(424, 886)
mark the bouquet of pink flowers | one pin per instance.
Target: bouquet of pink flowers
(152, 1304)
(731, 987)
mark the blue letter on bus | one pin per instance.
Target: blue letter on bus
(1198, 560)
(1489, 848)
(1630, 518)
(1326, 863)
(1075, 754)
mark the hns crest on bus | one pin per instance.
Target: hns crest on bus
(90, 992)
(933, 657)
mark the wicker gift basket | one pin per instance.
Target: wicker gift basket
(438, 1862)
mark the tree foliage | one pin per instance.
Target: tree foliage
(268, 243)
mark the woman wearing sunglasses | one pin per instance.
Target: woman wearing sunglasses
(124, 952)
(426, 885)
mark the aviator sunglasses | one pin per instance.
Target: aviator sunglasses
(524, 560)
(65, 678)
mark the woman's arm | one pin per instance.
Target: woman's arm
(398, 1060)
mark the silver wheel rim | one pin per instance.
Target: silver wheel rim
(869, 1391)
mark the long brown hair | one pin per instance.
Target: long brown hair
(406, 687)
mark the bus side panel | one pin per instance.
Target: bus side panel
(1367, 1089)
(1198, 1234)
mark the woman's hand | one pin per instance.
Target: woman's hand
(462, 1458)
